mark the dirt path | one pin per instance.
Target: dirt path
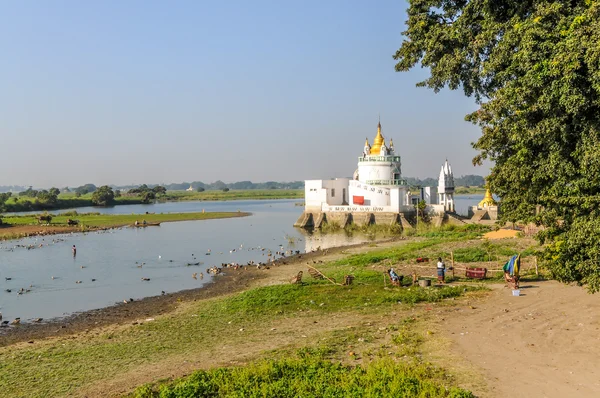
(545, 343)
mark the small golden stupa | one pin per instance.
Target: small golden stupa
(378, 142)
(488, 200)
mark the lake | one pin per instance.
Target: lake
(46, 266)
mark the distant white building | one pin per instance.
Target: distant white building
(190, 189)
(446, 187)
(376, 186)
(376, 193)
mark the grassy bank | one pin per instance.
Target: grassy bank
(245, 194)
(70, 200)
(313, 339)
(57, 368)
(98, 220)
(65, 201)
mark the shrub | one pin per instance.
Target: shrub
(306, 377)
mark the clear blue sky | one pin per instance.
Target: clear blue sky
(153, 91)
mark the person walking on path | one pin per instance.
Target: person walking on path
(441, 270)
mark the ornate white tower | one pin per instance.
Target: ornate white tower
(446, 187)
(378, 164)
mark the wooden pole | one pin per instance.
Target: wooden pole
(452, 262)
(536, 266)
(324, 276)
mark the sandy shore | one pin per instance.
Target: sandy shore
(544, 343)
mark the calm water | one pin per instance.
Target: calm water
(112, 257)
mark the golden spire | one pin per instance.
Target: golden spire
(488, 200)
(378, 141)
(366, 142)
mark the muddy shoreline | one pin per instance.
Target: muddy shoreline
(230, 281)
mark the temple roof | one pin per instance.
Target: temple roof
(488, 200)
(378, 141)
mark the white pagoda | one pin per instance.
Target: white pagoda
(446, 187)
(377, 184)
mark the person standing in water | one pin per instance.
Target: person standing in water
(74, 250)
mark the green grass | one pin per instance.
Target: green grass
(70, 200)
(469, 190)
(59, 368)
(393, 369)
(245, 194)
(115, 220)
(65, 201)
(488, 251)
(307, 377)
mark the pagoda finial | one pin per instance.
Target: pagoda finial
(488, 199)
(377, 142)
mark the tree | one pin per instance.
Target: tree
(103, 196)
(47, 199)
(159, 190)
(200, 189)
(148, 196)
(225, 189)
(54, 191)
(533, 67)
(81, 191)
(117, 193)
(3, 198)
(420, 208)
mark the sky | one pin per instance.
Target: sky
(130, 92)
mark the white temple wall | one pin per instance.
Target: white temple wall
(374, 171)
(314, 195)
(319, 192)
(429, 195)
(336, 191)
(373, 195)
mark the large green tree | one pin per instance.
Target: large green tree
(533, 67)
(103, 196)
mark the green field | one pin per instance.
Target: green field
(235, 194)
(57, 368)
(70, 200)
(97, 220)
(376, 350)
(65, 201)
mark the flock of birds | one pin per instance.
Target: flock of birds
(214, 270)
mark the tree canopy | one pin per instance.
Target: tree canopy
(103, 196)
(533, 67)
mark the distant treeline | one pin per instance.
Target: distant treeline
(466, 180)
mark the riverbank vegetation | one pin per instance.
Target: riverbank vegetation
(248, 194)
(16, 227)
(62, 201)
(117, 220)
(511, 59)
(360, 339)
(105, 196)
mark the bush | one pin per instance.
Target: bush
(306, 377)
